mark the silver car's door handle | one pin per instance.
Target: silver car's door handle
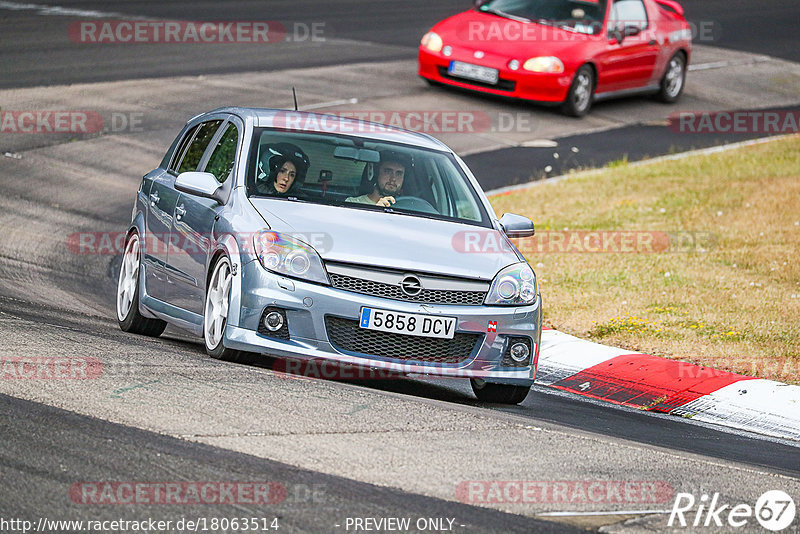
(180, 211)
(154, 198)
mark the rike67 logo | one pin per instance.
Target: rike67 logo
(774, 510)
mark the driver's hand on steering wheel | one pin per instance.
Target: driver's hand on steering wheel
(386, 202)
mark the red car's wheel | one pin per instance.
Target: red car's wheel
(581, 93)
(674, 79)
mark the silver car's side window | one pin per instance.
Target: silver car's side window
(222, 160)
(194, 152)
(177, 156)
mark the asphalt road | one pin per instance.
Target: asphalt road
(58, 464)
(421, 436)
(36, 48)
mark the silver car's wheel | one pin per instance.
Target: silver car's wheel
(215, 315)
(216, 309)
(128, 315)
(674, 79)
(128, 278)
(499, 393)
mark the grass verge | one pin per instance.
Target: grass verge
(695, 259)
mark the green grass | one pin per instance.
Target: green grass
(726, 295)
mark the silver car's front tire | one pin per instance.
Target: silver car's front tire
(128, 315)
(498, 393)
(215, 314)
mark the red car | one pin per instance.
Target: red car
(567, 52)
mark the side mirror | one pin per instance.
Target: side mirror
(201, 184)
(479, 3)
(617, 33)
(632, 30)
(516, 225)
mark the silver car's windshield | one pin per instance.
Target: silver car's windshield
(584, 16)
(361, 174)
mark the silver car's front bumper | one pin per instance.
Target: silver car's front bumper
(307, 306)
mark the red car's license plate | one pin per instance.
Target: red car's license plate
(473, 72)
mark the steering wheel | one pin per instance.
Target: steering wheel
(414, 204)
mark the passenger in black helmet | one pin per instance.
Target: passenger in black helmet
(281, 170)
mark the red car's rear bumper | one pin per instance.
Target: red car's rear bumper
(540, 87)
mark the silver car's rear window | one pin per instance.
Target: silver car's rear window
(345, 171)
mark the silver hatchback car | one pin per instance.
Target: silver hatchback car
(311, 237)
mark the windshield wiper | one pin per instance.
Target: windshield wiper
(504, 15)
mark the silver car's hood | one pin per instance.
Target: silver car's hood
(391, 240)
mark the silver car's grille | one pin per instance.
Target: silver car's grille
(346, 335)
(394, 292)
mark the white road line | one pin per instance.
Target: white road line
(46, 10)
(722, 64)
(707, 66)
(611, 512)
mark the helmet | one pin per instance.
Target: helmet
(274, 156)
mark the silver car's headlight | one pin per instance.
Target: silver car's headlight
(513, 286)
(286, 255)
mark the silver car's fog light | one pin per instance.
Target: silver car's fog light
(286, 255)
(274, 323)
(519, 352)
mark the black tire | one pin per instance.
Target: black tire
(218, 350)
(133, 321)
(499, 393)
(581, 93)
(674, 79)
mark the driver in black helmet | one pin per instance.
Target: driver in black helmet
(281, 170)
(388, 182)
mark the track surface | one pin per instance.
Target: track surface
(424, 437)
(35, 49)
(306, 502)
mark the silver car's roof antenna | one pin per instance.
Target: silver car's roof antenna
(294, 94)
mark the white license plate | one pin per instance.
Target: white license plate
(473, 72)
(412, 324)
